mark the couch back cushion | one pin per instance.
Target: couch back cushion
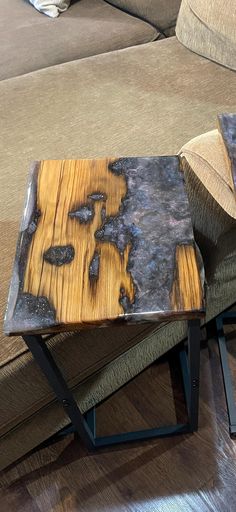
(209, 29)
(30, 41)
(161, 13)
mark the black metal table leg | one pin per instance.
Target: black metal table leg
(86, 425)
(194, 336)
(228, 317)
(190, 365)
(44, 359)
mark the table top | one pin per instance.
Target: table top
(227, 127)
(104, 241)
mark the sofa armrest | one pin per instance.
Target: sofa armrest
(212, 201)
(208, 28)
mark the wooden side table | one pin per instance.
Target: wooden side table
(102, 242)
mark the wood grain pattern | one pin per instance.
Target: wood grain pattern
(62, 190)
(187, 290)
(104, 240)
(227, 126)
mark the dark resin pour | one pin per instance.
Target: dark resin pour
(84, 214)
(59, 255)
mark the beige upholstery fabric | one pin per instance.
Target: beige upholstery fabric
(209, 29)
(211, 223)
(169, 32)
(103, 106)
(205, 155)
(220, 223)
(31, 41)
(161, 13)
(212, 200)
(51, 7)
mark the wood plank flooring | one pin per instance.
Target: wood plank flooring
(191, 473)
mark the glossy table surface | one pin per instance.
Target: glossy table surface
(104, 241)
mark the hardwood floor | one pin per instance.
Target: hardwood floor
(190, 473)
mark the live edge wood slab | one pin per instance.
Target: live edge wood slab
(102, 241)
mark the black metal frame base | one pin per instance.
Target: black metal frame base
(85, 425)
(228, 317)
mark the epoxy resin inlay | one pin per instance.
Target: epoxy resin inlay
(102, 241)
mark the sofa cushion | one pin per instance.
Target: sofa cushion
(51, 7)
(161, 13)
(212, 199)
(103, 106)
(209, 29)
(206, 157)
(31, 41)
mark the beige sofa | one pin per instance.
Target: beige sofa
(102, 79)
